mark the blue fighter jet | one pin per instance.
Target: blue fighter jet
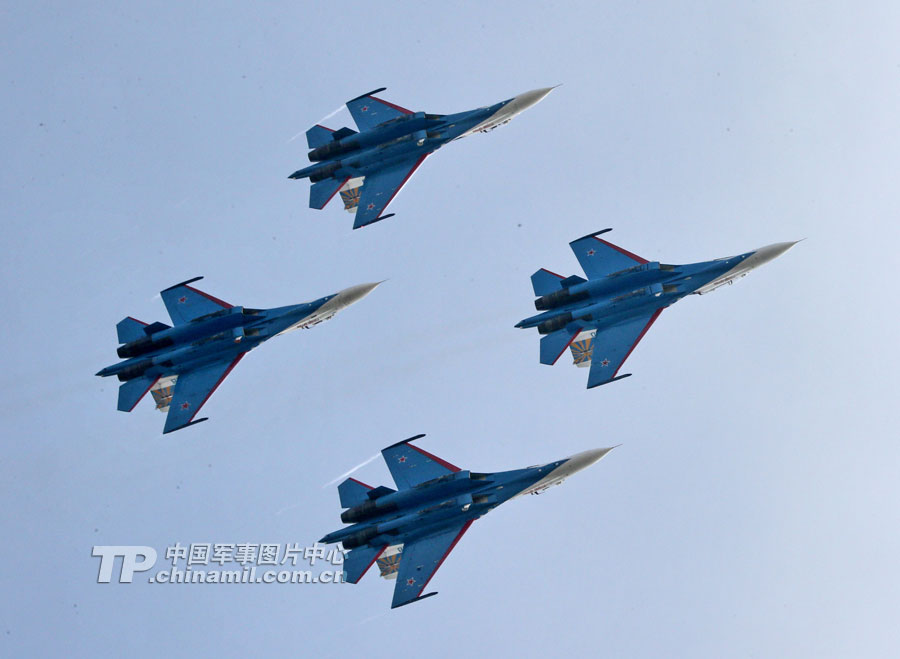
(370, 166)
(183, 364)
(602, 318)
(411, 530)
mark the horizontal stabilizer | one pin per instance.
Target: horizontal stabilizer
(545, 282)
(131, 392)
(554, 344)
(353, 493)
(318, 136)
(358, 562)
(130, 329)
(320, 193)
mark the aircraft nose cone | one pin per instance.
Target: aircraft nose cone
(526, 100)
(586, 458)
(356, 293)
(771, 252)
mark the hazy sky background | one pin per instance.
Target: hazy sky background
(753, 507)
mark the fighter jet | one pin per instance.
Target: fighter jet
(183, 364)
(602, 318)
(411, 530)
(370, 167)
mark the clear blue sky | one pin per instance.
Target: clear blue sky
(752, 509)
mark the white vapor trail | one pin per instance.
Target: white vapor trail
(344, 475)
(320, 121)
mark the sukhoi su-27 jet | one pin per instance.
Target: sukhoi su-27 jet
(369, 167)
(410, 531)
(602, 318)
(182, 364)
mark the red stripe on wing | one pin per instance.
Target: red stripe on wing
(403, 182)
(216, 385)
(637, 258)
(446, 554)
(368, 487)
(145, 391)
(566, 346)
(334, 193)
(441, 462)
(363, 573)
(391, 105)
(640, 336)
(209, 297)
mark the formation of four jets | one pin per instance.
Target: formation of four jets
(410, 530)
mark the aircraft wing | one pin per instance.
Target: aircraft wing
(612, 347)
(599, 258)
(420, 560)
(185, 303)
(380, 188)
(410, 465)
(192, 390)
(368, 111)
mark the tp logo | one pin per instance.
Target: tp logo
(130, 564)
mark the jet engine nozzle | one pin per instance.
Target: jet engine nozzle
(142, 346)
(554, 324)
(134, 371)
(359, 538)
(558, 298)
(331, 150)
(324, 172)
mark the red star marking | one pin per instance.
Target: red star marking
(591, 252)
(410, 581)
(185, 405)
(182, 300)
(605, 362)
(370, 206)
(402, 458)
(364, 108)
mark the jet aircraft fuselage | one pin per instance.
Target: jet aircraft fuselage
(434, 504)
(391, 143)
(207, 339)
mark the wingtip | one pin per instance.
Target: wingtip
(184, 283)
(405, 441)
(592, 235)
(374, 91)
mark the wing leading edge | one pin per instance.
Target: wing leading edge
(420, 560)
(368, 111)
(380, 188)
(410, 465)
(185, 303)
(612, 346)
(192, 390)
(599, 258)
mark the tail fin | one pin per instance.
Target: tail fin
(318, 136)
(353, 493)
(545, 282)
(130, 329)
(554, 344)
(321, 193)
(131, 392)
(358, 562)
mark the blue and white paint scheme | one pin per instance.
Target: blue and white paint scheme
(411, 530)
(602, 318)
(369, 167)
(182, 364)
